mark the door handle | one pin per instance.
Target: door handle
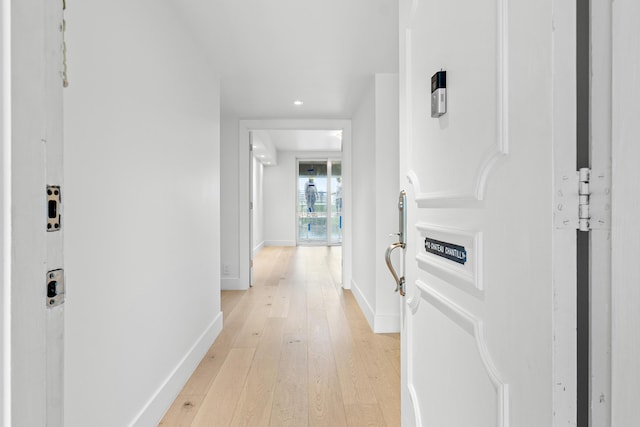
(402, 234)
(387, 257)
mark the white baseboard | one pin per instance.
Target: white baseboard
(279, 242)
(258, 248)
(386, 323)
(232, 284)
(366, 308)
(161, 401)
(379, 323)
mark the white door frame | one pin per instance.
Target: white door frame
(600, 248)
(32, 335)
(625, 298)
(5, 214)
(245, 128)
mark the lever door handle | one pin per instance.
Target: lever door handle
(387, 257)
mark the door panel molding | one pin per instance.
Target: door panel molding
(473, 326)
(468, 277)
(497, 151)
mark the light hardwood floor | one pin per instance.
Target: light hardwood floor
(296, 351)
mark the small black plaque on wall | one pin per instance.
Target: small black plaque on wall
(455, 253)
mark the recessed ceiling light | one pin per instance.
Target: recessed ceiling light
(297, 102)
(261, 156)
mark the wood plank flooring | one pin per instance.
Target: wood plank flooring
(295, 351)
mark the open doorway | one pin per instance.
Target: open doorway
(276, 150)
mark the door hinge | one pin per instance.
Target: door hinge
(582, 200)
(584, 217)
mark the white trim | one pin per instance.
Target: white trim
(258, 248)
(5, 217)
(232, 284)
(600, 118)
(366, 308)
(625, 269)
(156, 407)
(279, 243)
(386, 323)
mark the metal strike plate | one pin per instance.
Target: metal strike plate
(53, 208)
(55, 288)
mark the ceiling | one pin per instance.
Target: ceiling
(271, 52)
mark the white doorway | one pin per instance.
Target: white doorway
(251, 131)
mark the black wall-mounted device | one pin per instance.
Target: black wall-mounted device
(438, 94)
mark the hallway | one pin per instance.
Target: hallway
(295, 351)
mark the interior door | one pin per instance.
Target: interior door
(490, 278)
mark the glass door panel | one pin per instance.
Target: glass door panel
(335, 232)
(312, 201)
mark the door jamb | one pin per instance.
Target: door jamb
(600, 263)
(5, 214)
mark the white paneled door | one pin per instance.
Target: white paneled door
(490, 276)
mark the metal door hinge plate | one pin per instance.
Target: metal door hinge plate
(582, 200)
(600, 200)
(565, 201)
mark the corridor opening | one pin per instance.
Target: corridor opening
(269, 152)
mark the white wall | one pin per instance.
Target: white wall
(258, 206)
(229, 194)
(364, 202)
(280, 201)
(141, 211)
(280, 196)
(375, 200)
(386, 208)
